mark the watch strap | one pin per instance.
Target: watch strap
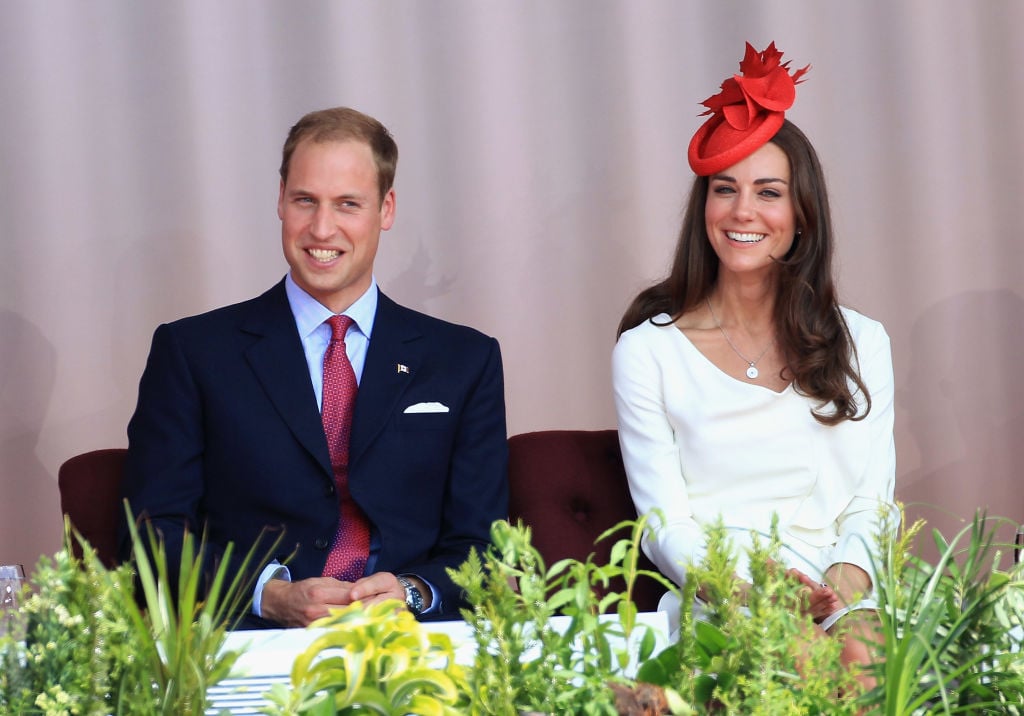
(413, 597)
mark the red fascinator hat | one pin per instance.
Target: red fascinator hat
(747, 112)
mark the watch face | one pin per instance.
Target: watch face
(413, 598)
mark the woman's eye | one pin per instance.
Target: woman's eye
(771, 193)
(724, 189)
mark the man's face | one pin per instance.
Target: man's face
(331, 219)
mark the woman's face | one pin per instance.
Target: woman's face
(749, 212)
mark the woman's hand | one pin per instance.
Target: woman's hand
(821, 599)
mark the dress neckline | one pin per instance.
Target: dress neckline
(690, 344)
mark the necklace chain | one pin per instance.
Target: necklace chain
(752, 371)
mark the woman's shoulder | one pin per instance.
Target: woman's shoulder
(863, 329)
(650, 329)
(647, 341)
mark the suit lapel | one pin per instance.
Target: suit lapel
(394, 357)
(279, 363)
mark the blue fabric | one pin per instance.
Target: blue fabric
(227, 434)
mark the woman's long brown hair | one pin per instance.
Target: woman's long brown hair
(821, 358)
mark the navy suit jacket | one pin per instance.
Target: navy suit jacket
(227, 436)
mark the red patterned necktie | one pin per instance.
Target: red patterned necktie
(351, 545)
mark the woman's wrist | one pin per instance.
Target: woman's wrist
(848, 581)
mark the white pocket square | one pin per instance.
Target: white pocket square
(427, 408)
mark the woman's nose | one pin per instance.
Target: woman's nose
(743, 207)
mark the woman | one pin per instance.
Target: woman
(743, 389)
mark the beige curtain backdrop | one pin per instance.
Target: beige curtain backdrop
(540, 186)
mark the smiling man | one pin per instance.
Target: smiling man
(373, 435)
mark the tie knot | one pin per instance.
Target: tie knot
(339, 326)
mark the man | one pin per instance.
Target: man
(228, 433)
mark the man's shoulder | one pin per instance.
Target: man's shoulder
(428, 325)
(232, 314)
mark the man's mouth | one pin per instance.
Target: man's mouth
(324, 255)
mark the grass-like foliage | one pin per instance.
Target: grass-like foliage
(117, 641)
(952, 629)
(99, 641)
(82, 652)
(523, 663)
(763, 658)
(184, 632)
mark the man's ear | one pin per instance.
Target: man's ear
(387, 210)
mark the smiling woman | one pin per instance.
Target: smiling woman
(744, 391)
(749, 213)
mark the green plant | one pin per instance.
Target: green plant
(81, 652)
(759, 659)
(91, 648)
(372, 660)
(184, 630)
(949, 628)
(523, 662)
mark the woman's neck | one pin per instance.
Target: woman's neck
(750, 305)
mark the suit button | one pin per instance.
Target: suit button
(330, 490)
(321, 543)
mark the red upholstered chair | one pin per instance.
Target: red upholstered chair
(90, 495)
(569, 486)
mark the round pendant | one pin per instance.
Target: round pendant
(751, 372)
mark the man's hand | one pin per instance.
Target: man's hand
(385, 585)
(378, 587)
(297, 604)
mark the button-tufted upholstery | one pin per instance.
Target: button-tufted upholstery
(569, 486)
(90, 495)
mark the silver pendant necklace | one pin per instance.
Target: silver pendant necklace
(752, 372)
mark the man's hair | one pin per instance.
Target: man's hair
(342, 124)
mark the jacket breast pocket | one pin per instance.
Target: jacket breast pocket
(424, 421)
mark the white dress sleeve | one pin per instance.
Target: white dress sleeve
(650, 452)
(858, 524)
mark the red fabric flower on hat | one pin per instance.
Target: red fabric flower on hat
(746, 113)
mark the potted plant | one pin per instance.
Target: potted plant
(951, 635)
(952, 629)
(760, 658)
(94, 643)
(372, 660)
(523, 663)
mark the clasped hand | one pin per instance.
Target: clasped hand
(821, 599)
(297, 604)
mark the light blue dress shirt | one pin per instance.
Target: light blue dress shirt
(310, 319)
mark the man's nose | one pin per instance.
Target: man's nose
(322, 226)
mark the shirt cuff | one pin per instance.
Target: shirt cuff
(830, 621)
(274, 570)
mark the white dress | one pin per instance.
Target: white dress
(698, 444)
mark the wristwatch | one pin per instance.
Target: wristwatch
(413, 598)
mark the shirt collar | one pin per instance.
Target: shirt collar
(310, 314)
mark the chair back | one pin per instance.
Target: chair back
(90, 495)
(569, 486)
